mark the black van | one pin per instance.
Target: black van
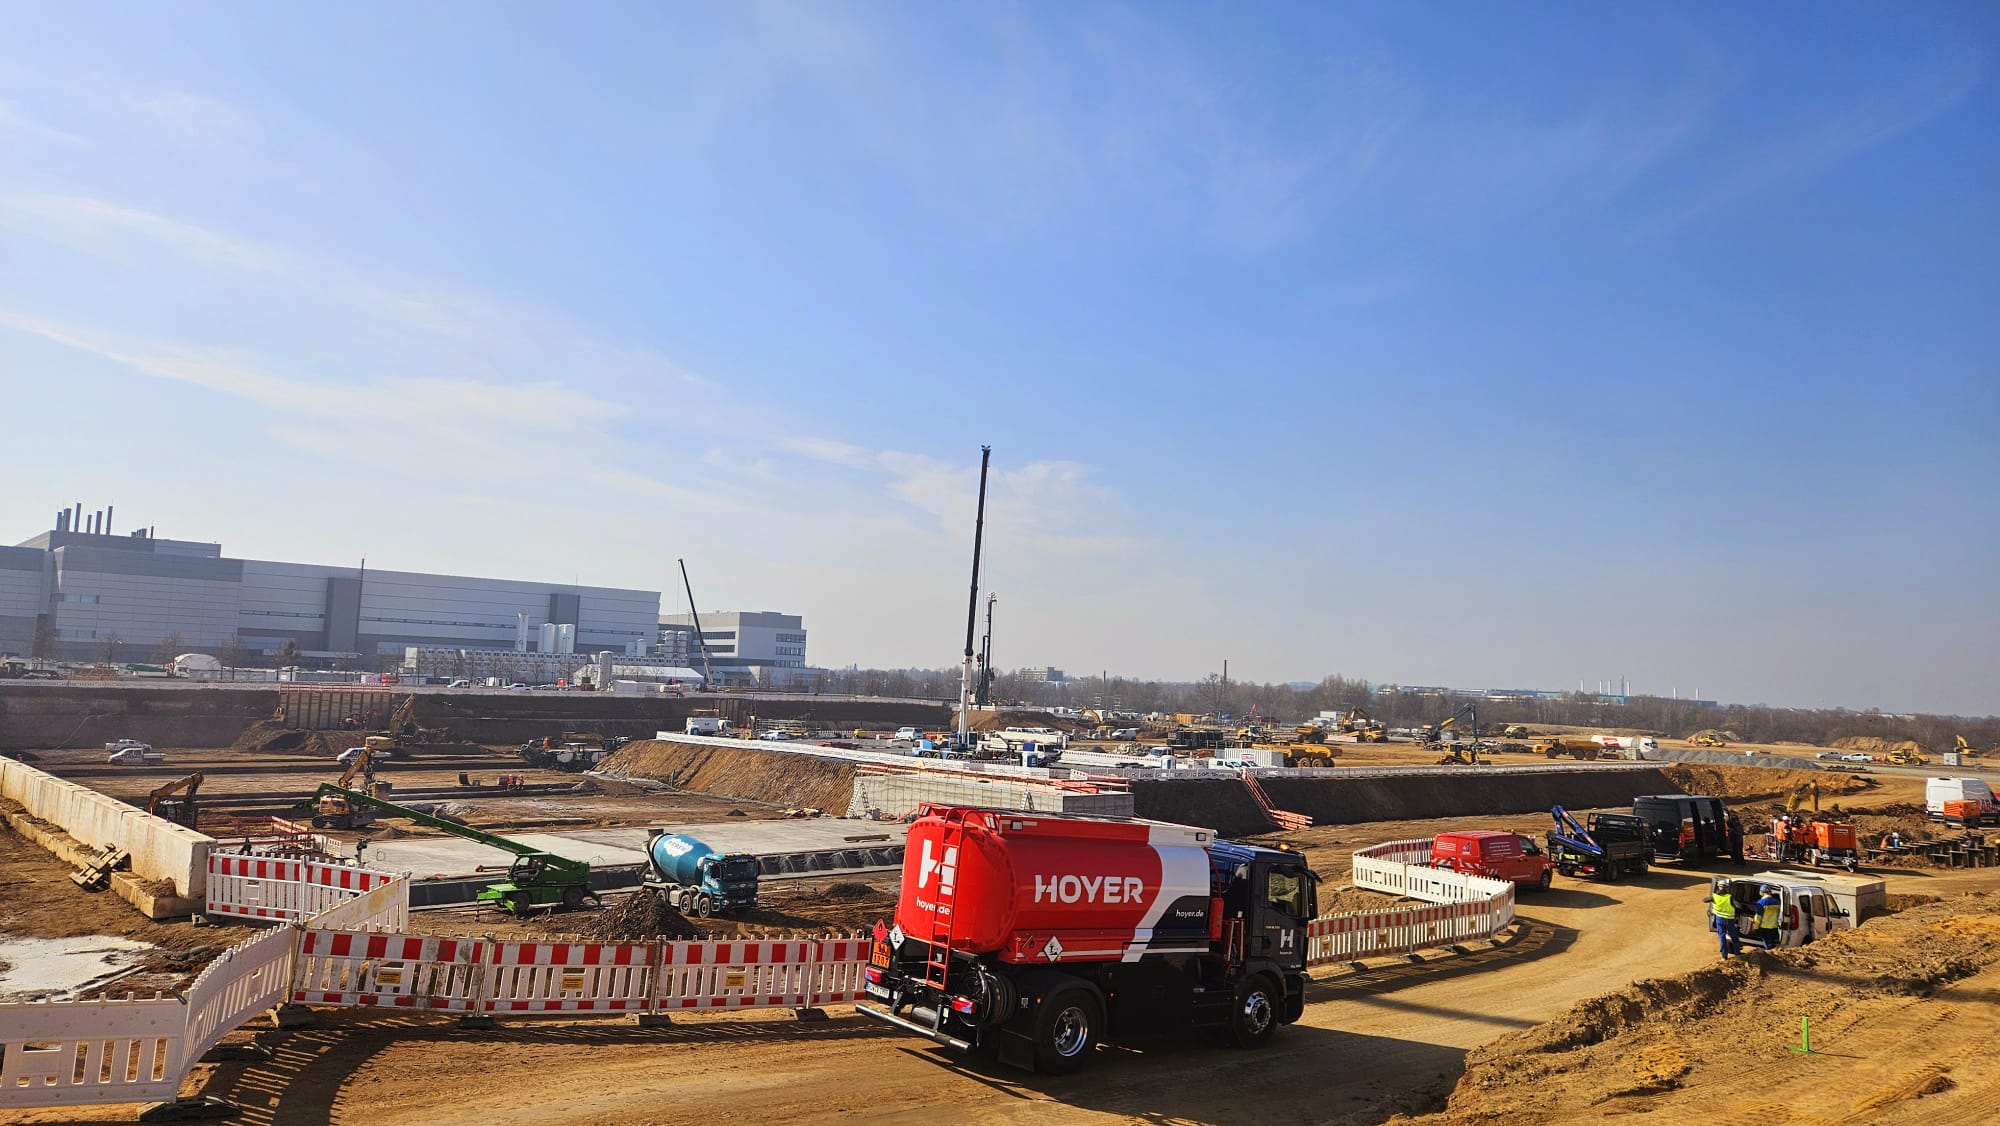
(1693, 830)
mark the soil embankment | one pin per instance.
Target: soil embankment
(1901, 1015)
(774, 777)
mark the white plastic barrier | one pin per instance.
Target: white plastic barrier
(69, 1053)
(1463, 908)
(249, 978)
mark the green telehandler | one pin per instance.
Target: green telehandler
(536, 879)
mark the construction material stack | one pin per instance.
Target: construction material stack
(1042, 935)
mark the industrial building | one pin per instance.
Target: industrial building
(79, 592)
(743, 646)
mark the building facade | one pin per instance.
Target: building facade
(740, 638)
(85, 595)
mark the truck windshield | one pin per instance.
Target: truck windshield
(741, 869)
(1286, 891)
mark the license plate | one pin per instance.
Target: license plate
(881, 955)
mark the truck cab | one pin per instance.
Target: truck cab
(1495, 855)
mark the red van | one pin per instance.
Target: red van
(1495, 855)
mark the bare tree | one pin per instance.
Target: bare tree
(288, 653)
(170, 646)
(111, 644)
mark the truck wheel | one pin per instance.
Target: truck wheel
(1609, 870)
(321, 822)
(703, 905)
(1067, 1027)
(1254, 1017)
(572, 898)
(1548, 879)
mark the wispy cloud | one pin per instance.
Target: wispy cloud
(16, 121)
(1875, 118)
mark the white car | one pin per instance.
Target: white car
(1856, 756)
(775, 737)
(909, 734)
(459, 684)
(1826, 755)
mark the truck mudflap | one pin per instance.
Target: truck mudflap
(908, 1025)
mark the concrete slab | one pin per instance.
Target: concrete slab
(450, 856)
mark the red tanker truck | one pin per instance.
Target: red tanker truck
(1039, 935)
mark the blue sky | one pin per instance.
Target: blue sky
(1480, 345)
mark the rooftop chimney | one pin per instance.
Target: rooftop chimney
(108, 510)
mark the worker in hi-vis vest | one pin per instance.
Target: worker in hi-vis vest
(1722, 916)
(1767, 916)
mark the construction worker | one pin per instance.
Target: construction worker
(1722, 916)
(1767, 916)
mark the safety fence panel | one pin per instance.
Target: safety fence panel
(734, 975)
(246, 886)
(70, 1053)
(384, 907)
(570, 977)
(837, 970)
(1459, 908)
(249, 978)
(249, 886)
(388, 971)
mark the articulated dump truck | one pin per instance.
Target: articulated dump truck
(1040, 936)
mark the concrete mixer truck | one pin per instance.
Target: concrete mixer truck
(696, 879)
(1039, 935)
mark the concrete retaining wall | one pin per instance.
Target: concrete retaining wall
(36, 716)
(161, 850)
(1221, 802)
(897, 796)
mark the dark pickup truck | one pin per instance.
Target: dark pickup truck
(1606, 845)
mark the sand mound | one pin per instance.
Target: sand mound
(785, 778)
(267, 738)
(1752, 784)
(1869, 744)
(637, 916)
(996, 721)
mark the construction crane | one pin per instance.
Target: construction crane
(537, 878)
(181, 810)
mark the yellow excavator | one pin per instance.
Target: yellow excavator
(1965, 750)
(333, 810)
(404, 731)
(1362, 726)
(181, 810)
(1707, 739)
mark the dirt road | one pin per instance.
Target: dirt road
(1372, 1044)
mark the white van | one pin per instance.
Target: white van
(1960, 801)
(909, 734)
(1805, 912)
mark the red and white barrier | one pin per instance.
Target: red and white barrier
(248, 886)
(388, 971)
(837, 971)
(1459, 908)
(736, 975)
(570, 977)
